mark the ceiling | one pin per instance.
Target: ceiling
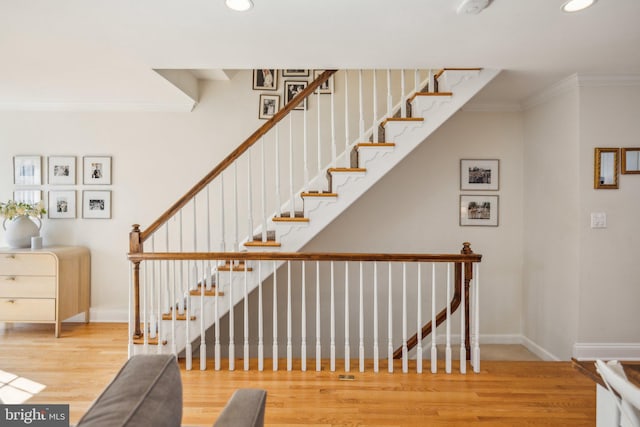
(101, 55)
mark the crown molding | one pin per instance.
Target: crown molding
(608, 80)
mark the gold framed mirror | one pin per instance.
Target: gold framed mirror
(606, 168)
(631, 160)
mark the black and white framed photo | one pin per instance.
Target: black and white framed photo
(266, 79)
(62, 204)
(479, 210)
(479, 174)
(62, 170)
(291, 89)
(27, 170)
(96, 204)
(97, 170)
(326, 87)
(269, 105)
(295, 73)
(27, 196)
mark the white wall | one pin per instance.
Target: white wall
(551, 231)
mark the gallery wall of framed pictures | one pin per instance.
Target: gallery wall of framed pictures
(64, 174)
(479, 175)
(294, 81)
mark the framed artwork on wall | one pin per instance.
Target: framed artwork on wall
(97, 170)
(269, 105)
(479, 210)
(266, 79)
(96, 204)
(605, 171)
(295, 73)
(62, 170)
(27, 170)
(62, 204)
(291, 89)
(479, 174)
(631, 160)
(326, 87)
(27, 196)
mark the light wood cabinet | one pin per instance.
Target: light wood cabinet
(46, 285)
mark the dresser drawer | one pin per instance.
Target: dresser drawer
(27, 309)
(27, 264)
(27, 286)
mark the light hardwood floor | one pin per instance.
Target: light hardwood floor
(77, 366)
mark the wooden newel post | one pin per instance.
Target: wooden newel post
(135, 246)
(468, 275)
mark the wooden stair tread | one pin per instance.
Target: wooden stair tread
(417, 94)
(331, 170)
(309, 194)
(151, 341)
(211, 293)
(401, 119)
(288, 219)
(376, 144)
(258, 243)
(168, 316)
(236, 267)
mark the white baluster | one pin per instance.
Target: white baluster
(223, 244)
(463, 349)
(275, 317)
(246, 316)
(216, 347)
(170, 303)
(390, 321)
(416, 80)
(389, 97)
(152, 293)
(376, 365)
(303, 315)
(289, 320)
(346, 109)
(160, 335)
(333, 323)
(361, 108)
(181, 308)
(291, 199)
(434, 350)
(405, 349)
(432, 81)
(476, 320)
(235, 203)
(448, 332)
(263, 192)
(260, 321)
(375, 107)
(305, 150)
(319, 137)
(232, 347)
(318, 343)
(172, 287)
(419, 322)
(278, 199)
(249, 196)
(203, 329)
(131, 326)
(188, 350)
(347, 348)
(403, 99)
(334, 149)
(145, 320)
(361, 322)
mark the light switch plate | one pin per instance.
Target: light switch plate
(598, 220)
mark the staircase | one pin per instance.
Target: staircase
(284, 218)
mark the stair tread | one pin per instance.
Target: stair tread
(236, 267)
(376, 144)
(311, 194)
(401, 119)
(211, 293)
(417, 94)
(331, 170)
(168, 316)
(288, 219)
(151, 341)
(258, 243)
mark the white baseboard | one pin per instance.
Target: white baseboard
(539, 351)
(103, 315)
(608, 351)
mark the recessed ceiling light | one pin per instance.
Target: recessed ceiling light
(239, 5)
(577, 5)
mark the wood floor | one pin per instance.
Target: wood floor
(77, 366)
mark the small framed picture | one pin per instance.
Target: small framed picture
(295, 73)
(62, 170)
(326, 87)
(27, 170)
(479, 174)
(96, 204)
(62, 204)
(269, 105)
(479, 210)
(97, 170)
(291, 89)
(27, 196)
(265, 79)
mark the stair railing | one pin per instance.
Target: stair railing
(286, 157)
(326, 293)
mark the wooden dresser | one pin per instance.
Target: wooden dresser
(45, 285)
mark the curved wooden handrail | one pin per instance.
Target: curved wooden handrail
(235, 154)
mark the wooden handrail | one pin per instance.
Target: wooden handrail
(235, 154)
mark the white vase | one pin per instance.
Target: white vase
(20, 230)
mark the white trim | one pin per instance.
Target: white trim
(102, 315)
(539, 351)
(184, 107)
(497, 107)
(608, 80)
(619, 351)
(557, 89)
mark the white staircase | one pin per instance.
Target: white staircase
(455, 88)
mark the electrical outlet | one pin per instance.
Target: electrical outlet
(598, 220)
